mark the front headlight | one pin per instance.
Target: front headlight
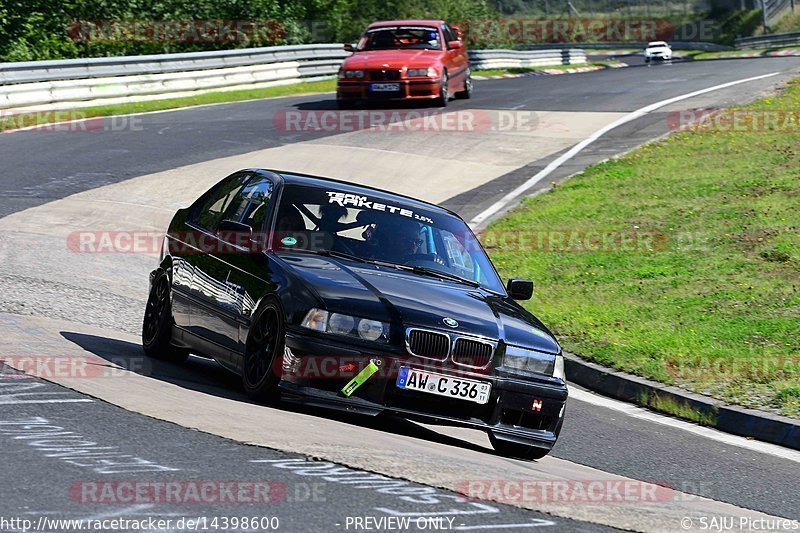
(341, 324)
(527, 360)
(350, 74)
(429, 72)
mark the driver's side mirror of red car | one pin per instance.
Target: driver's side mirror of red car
(349, 48)
(454, 45)
(519, 289)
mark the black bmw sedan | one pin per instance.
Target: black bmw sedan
(343, 296)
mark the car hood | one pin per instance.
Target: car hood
(411, 299)
(392, 59)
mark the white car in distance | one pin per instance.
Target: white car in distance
(657, 51)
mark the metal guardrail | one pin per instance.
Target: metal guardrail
(776, 40)
(74, 83)
(70, 69)
(485, 59)
(624, 45)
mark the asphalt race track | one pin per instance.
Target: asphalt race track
(156, 422)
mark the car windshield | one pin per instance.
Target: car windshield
(376, 229)
(401, 38)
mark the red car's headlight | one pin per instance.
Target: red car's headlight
(429, 72)
(350, 74)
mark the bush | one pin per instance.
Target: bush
(738, 23)
(49, 29)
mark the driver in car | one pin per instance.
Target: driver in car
(398, 240)
(395, 240)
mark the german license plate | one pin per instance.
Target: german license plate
(384, 87)
(441, 385)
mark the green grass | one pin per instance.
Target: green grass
(40, 118)
(620, 51)
(717, 55)
(666, 404)
(710, 298)
(788, 23)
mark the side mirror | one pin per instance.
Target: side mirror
(235, 233)
(457, 31)
(349, 48)
(520, 289)
(454, 45)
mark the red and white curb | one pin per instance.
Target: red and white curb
(548, 72)
(783, 53)
(763, 53)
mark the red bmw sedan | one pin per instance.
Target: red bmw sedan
(405, 60)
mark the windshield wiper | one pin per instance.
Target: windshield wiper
(442, 275)
(351, 257)
(425, 271)
(341, 255)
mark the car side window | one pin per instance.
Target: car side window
(449, 35)
(207, 212)
(251, 204)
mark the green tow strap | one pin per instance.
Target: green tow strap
(361, 377)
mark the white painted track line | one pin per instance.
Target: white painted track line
(641, 413)
(542, 174)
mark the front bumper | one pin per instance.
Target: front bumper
(350, 90)
(523, 411)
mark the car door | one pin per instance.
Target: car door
(248, 275)
(456, 59)
(209, 315)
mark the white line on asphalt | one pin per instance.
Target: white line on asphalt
(535, 523)
(546, 171)
(635, 411)
(71, 400)
(118, 513)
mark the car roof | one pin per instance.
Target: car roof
(408, 22)
(297, 178)
(656, 43)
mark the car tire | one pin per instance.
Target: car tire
(441, 101)
(263, 354)
(157, 323)
(516, 451)
(467, 92)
